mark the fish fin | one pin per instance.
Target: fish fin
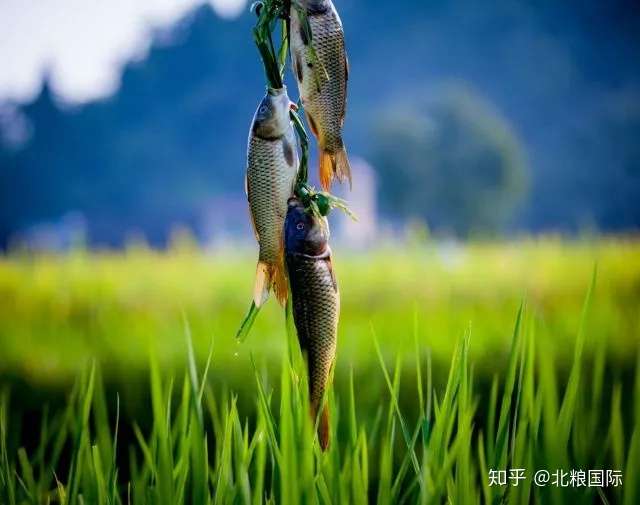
(342, 166)
(323, 428)
(247, 322)
(297, 67)
(288, 151)
(327, 169)
(263, 283)
(280, 285)
(312, 123)
(333, 275)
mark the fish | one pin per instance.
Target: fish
(315, 302)
(272, 167)
(321, 69)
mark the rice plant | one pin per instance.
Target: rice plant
(201, 447)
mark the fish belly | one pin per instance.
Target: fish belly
(271, 174)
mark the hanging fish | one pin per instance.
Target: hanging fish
(315, 301)
(272, 165)
(321, 69)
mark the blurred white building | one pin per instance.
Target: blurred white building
(362, 200)
(225, 219)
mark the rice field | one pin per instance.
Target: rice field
(122, 383)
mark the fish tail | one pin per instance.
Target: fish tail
(334, 165)
(279, 279)
(323, 428)
(327, 168)
(342, 166)
(264, 273)
(280, 284)
(323, 425)
(270, 276)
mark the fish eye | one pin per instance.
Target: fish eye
(263, 109)
(300, 226)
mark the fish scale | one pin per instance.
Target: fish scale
(272, 166)
(316, 306)
(320, 67)
(328, 106)
(270, 182)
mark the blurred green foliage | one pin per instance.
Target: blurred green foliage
(451, 159)
(526, 389)
(57, 312)
(201, 446)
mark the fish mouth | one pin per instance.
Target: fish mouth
(294, 201)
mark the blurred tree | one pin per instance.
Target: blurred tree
(451, 160)
(172, 139)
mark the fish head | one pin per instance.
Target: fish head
(304, 232)
(271, 119)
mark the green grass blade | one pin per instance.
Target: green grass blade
(396, 406)
(247, 322)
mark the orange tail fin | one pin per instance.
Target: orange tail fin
(334, 165)
(270, 276)
(327, 164)
(342, 167)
